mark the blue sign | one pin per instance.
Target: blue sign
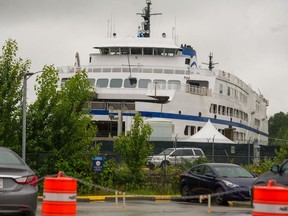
(98, 163)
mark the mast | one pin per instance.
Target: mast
(146, 14)
(211, 63)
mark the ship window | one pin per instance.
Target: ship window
(174, 84)
(228, 91)
(136, 51)
(160, 84)
(97, 70)
(106, 69)
(221, 88)
(127, 70)
(102, 83)
(168, 71)
(143, 83)
(124, 50)
(158, 70)
(170, 52)
(179, 71)
(189, 130)
(213, 108)
(158, 51)
(147, 70)
(116, 83)
(92, 81)
(129, 84)
(90, 59)
(148, 51)
(104, 51)
(116, 69)
(114, 51)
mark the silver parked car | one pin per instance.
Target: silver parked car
(18, 185)
(174, 156)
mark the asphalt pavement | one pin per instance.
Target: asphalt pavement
(144, 207)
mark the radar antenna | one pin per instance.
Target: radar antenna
(211, 63)
(146, 14)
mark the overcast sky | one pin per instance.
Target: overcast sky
(248, 38)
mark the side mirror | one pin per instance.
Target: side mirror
(275, 169)
(211, 175)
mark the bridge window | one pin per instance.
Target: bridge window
(174, 84)
(143, 83)
(136, 51)
(102, 83)
(129, 84)
(116, 83)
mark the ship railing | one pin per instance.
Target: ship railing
(203, 91)
(99, 105)
(133, 69)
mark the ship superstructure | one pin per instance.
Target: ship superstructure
(162, 80)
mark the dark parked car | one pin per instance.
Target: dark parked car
(219, 178)
(279, 173)
(18, 185)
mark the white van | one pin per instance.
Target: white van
(175, 156)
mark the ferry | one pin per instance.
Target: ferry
(162, 80)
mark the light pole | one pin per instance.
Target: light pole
(26, 77)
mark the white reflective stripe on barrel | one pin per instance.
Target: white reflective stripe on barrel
(270, 208)
(59, 197)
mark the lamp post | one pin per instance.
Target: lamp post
(26, 77)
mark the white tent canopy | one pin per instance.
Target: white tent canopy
(208, 134)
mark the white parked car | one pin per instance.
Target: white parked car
(174, 156)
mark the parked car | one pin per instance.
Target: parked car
(210, 178)
(174, 156)
(18, 185)
(279, 173)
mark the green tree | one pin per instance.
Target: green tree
(135, 147)
(12, 70)
(278, 128)
(60, 127)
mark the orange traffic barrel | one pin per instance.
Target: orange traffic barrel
(270, 200)
(59, 196)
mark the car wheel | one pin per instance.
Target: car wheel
(185, 190)
(220, 199)
(164, 164)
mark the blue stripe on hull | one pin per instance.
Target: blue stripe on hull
(184, 117)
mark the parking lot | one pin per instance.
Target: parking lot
(151, 208)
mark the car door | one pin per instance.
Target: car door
(176, 156)
(282, 177)
(188, 155)
(196, 174)
(207, 180)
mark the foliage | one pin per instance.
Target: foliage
(12, 70)
(278, 128)
(135, 148)
(258, 168)
(58, 123)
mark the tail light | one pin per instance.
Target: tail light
(32, 180)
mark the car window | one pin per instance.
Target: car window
(197, 170)
(167, 151)
(207, 169)
(9, 158)
(178, 152)
(188, 152)
(285, 168)
(198, 152)
(233, 172)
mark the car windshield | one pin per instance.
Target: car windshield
(233, 172)
(166, 151)
(9, 158)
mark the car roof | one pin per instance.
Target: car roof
(219, 164)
